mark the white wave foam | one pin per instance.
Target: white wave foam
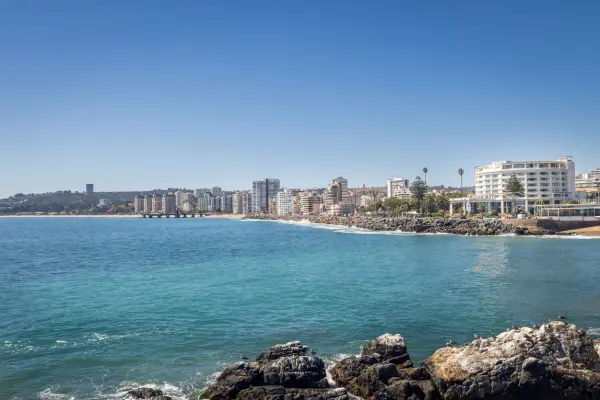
(330, 362)
(168, 389)
(562, 237)
(61, 341)
(593, 331)
(209, 380)
(121, 393)
(354, 230)
(15, 347)
(49, 394)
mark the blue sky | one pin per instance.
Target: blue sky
(147, 94)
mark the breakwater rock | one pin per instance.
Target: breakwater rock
(147, 393)
(473, 226)
(284, 371)
(552, 361)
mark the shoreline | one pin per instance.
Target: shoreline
(72, 216)
(448, 225)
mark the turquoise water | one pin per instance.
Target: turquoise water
(91, 307)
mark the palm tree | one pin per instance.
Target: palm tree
(373, 193)
(461, 172)
(425, 170)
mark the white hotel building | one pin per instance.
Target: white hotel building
(551, 182)
(284, 202)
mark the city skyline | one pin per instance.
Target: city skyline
(93, 91)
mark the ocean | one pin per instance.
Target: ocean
(92, 307)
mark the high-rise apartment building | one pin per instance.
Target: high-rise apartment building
(138, 204)
(214, 203)
(342, 184)
(217, 191)
(168, 203)
(204, 203)
(178, 195)
(262, 191)
(241, 202)
(284, 202)
(185, 201)
(147, 204)
(226, 204)
(398, 187)
(157, 204)
(89, 188)
(308, 201)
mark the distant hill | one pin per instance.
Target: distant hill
(72, 202)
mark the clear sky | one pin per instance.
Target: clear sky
(133, 95)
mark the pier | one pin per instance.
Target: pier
(177, 214)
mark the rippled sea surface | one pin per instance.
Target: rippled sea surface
(90, 307)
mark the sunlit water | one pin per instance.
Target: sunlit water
(92, 307)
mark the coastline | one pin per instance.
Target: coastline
(448, 225)
(73, 216)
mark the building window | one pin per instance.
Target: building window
(519, 166)
(530, 165)
(543, 165)
(507, 166)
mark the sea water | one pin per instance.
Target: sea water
(92, 307)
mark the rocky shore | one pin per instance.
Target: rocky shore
(474, 226)
(552, 361)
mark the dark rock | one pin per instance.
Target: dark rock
(145, 393)
(382, 361)
(233, 380)
(391, 348)
(467, 226)
(278, 351)
(281, 393)
(284, 366)
(295, 371)
(262, 392)
(408, 389)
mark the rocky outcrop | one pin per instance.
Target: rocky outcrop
(473, 226)
(554, 361)
(284, 371)
(148, 393)
(384, 370)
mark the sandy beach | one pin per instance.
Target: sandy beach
(592, 231)
(228, 216)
